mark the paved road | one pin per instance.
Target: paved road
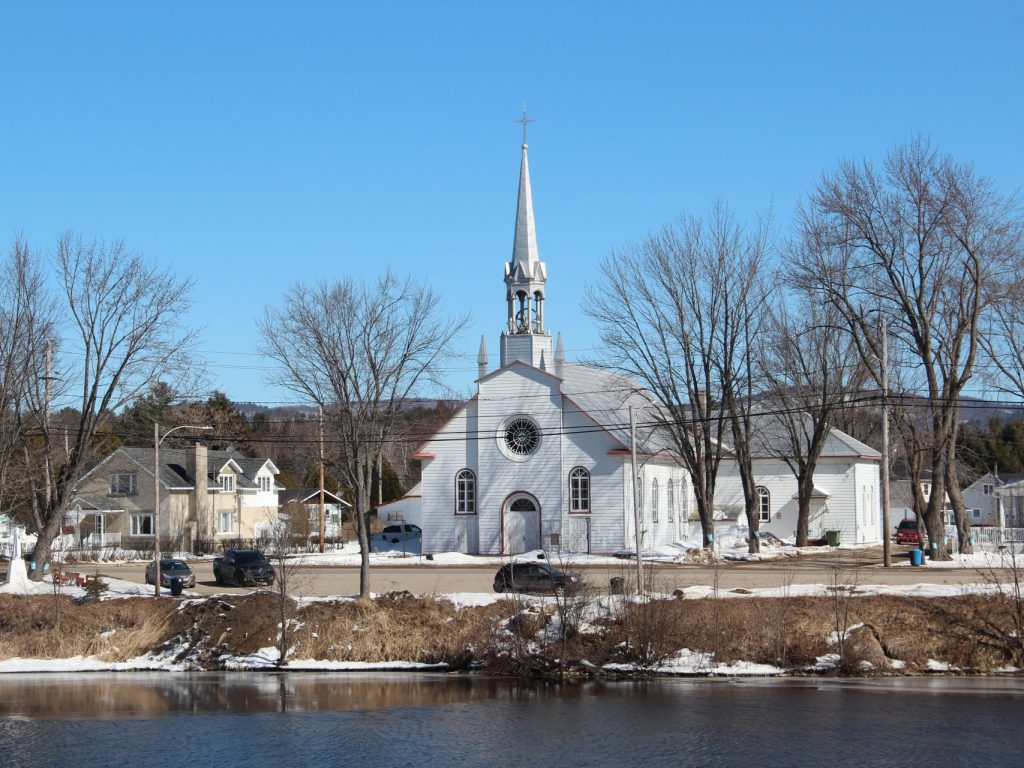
(862, 567)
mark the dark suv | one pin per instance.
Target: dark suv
(535, 577)
(243, 567)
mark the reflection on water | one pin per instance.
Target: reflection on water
(155, 694)
(212, 719)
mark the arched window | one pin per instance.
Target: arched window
(764, 504)
(671, 501)
(579, 490)
(654, 500)
(465, 493)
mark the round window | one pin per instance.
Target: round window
(522, 437)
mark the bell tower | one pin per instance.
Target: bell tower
(525, 337)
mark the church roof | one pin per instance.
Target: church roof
(606, 396)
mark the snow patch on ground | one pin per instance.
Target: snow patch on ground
(688, 662)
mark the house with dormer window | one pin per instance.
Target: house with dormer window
(204, 495)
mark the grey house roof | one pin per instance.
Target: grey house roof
(173, 463)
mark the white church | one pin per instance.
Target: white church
(540, 457)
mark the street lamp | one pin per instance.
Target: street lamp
(157, 439)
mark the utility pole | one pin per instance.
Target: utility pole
(156, 507)
(886, 547)
(380, 469)
(323, 515)
(636, 500)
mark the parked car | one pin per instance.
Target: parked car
(170, 569)
(394, 534)
(535, 577)
(244, 567)
(906, 532)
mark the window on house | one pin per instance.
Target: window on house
(227, 483)
(671, 501)
(465, 493)
(225, 522)
(124, 484)
(988, 489)
(265, 483)
(926, 489)
(654, 500)
(976, 514)
(764, 504)
(142, 524)
(579, 490)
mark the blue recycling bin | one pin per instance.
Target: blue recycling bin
(915, 557)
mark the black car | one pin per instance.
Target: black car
(243, 567)
(535, 577)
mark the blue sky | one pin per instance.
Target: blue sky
(253, 145)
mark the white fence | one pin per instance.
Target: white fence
(994, 539)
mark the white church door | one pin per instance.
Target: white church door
(579, 534)
(522, 524)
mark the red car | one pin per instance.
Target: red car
(906, 532)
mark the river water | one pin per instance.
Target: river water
(311, 719)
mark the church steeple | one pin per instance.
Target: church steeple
(525, 337)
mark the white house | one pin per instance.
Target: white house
(982, 500)
(540, 455)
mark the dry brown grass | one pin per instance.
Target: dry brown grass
(113, 630)
(397, 628)
(970, 632)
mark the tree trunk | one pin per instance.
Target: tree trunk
(804, 489)
(43, 552)
(933, 512)
(363, 532)
(963, 525)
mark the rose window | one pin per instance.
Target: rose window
(522, 436)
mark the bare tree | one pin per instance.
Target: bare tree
(285, 535)
(812, 369)
(123, 333)
(920, 242)
(678, 311)
(26, 324)
(361, 351)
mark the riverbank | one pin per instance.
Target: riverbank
(706, 632)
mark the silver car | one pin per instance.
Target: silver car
(170, 569)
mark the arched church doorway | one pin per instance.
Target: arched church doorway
(520, 524)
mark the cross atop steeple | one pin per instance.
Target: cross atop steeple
(524, 120)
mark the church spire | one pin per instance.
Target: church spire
(525, 274)
(525, 337)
